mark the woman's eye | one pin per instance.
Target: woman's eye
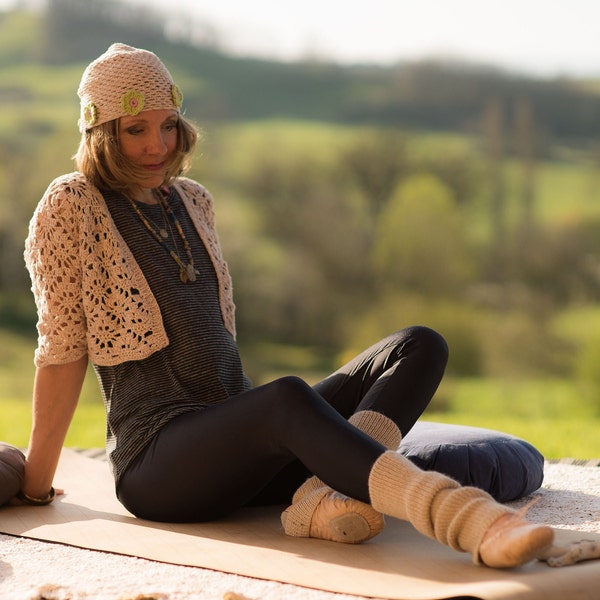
(134, 130)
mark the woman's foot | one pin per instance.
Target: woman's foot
(512, 542)
(342, 519)
(336, 518)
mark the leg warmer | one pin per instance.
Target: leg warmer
(434, 504)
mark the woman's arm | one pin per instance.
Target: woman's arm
(55, 395)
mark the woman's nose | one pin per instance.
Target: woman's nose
(156, 143)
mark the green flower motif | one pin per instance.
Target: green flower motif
(90, 114)
(132, 102)
(177, 96)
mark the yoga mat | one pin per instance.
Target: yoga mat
(399, 564)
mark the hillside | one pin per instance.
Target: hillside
(351, 201)
(426, 95)
(326, 221)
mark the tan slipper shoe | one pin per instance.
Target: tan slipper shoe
(328, 515)
(512, 542)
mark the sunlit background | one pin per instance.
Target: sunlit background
(544, 37)
(375, 165)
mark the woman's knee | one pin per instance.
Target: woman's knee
(425, 341)
(293, 397)
(432, 340)
(291, 388)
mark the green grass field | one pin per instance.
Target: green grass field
(38, 123)
(552, 414)
(492, 404)
(16, 381)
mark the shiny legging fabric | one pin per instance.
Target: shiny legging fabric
(257, 447)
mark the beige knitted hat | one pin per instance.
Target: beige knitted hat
(125, 81)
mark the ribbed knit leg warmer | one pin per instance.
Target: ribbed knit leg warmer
(320, 512)
(465, 518)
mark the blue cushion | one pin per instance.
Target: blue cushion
(12, 466)
(503, 465)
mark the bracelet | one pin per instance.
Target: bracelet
(23, 497)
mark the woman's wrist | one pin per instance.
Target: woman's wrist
(33, 501)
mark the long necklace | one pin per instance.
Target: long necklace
(164, 230)
(187, 273)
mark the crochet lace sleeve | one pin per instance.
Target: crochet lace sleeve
(51, 256)
(91, 295)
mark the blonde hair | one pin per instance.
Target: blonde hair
(100, 159)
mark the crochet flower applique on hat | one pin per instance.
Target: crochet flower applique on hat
(90, 114)
(132, 102)
(177, 96)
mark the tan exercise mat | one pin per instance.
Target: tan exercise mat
(399, 564)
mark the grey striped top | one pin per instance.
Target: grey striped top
(200, 366)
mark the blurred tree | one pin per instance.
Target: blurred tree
(376, 163)
(80, 30)
(421, 243)
(493, 133)
(322, 236)
(459, 323)
(561, 265)
(460, 169)
(525, 147)
(33, 151)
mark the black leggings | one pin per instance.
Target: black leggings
(259, 446)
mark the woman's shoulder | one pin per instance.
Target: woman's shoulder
(197, 200)
(72, 187)
(196, 191)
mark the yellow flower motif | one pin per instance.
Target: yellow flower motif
(90, 114)
(132, 102)
(177, 96)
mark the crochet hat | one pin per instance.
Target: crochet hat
(125, 81)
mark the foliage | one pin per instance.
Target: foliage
(351, 201)
(459, 324)
(422, 95)
(580, 328)
(420, 240)
(376, 162)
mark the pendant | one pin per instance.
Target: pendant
(164, 234)
(187, 274)
(191, 272)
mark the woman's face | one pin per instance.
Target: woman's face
(149, 141)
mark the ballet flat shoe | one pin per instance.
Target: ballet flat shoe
(328, 515)
(511, 542)
(339, 518)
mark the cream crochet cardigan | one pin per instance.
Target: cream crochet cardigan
(91, 295)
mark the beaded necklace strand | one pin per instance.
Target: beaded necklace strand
(187, 273)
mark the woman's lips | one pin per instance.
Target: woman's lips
(155, 167)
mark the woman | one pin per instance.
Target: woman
(127, 273)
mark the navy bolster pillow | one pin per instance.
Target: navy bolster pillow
(503, 465)
(12, 468)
